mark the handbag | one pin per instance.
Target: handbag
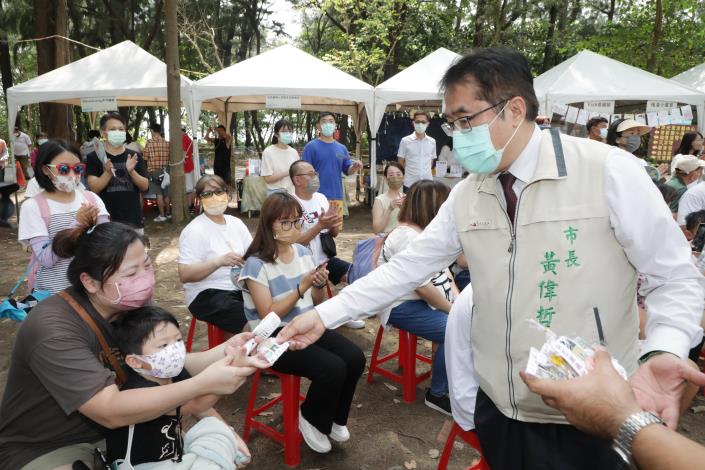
(328, 245)
(120, 375)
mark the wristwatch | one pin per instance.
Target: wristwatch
(622, 444)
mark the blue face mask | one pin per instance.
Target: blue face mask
(475, 151)
(285, 137)
(327, 129)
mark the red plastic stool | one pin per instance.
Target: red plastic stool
(216, 336)
(290, 438)
(468, 436)
(406, 359)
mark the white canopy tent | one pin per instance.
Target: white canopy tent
(589, 76)
(694, 77)
(302, 79)
(126, 72)
(416, 85)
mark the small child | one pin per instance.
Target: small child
(154, 350)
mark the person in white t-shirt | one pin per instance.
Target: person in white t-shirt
(319, 219)
(417, 152)
(58, 169)
(210, 258)
(423, 312)
(278, 157)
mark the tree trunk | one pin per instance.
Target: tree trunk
(5, 64)
(549, 49)
(655, 38)
(52, 18)
(477, 37)
(610, 13)
(173, 83)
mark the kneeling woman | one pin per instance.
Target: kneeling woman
(280, 276)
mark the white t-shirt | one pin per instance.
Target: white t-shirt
(313, 209)
(396, 242)
(62, 216)
(418, 155)
(21, 144)
(693, 200)
(203, 240)
(276, 160)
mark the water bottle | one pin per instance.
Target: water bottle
(235, 276)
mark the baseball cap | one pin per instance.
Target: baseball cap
(688, 163)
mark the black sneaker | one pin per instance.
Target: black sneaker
(438, 403)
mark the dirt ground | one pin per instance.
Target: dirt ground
(386, 433)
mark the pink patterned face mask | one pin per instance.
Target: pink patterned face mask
(166, 363)
(134, 291)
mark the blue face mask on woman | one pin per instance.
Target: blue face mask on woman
(475, 151)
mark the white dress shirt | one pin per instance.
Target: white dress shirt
(642, 224)
(418, 155)
(693, 200)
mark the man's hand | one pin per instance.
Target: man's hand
(330, 219)
(597, 403)
(660, 383)
(303, 331)
(354, 167)
(131, 163)
(230, 259)
(108, 168)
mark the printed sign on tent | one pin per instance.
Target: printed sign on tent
(559, 109)
(283, 102)
(652, 119)
(103, 103)
(599, 106)
(640, 118)
(571, 114)
(582, 117)
(687, 112)
(656, 106)
(614, 117)
(664, 119)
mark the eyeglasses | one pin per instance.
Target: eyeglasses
(287, 224)
(210, 194)
(64, 168)
(310, 173)
(462, 124)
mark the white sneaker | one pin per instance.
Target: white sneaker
(339, 433)
(160, 218)
(355, 324)
(314, 438)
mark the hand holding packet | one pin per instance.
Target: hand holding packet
(268, 349)
(563, 357)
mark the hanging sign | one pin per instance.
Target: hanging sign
(103, 103)
(283, 102)
(656, 106)
(599, 106)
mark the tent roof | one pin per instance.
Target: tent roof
(591, 76)
(285, 70)
(415, 84)
(694, 77)
(125, 71)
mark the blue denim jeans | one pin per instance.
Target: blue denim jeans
(416, 317)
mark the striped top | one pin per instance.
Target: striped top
(281, 279)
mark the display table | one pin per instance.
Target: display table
(254, 192)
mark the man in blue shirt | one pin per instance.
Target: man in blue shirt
(329, 158)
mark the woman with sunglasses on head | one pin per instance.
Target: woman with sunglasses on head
(280, 276)
(211, 250)
(61, 205)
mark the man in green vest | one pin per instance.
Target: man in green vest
(554, 228)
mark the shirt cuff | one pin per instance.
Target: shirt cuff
(331, 316)
(666, 338)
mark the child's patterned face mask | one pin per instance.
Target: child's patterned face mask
(165, 363)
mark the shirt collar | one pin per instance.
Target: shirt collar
(524, 166)
(413, 136)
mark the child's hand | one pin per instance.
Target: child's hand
(241, 447)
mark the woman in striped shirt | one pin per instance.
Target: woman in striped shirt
(280, 276)
(60, 205)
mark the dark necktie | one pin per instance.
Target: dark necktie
(507, 180)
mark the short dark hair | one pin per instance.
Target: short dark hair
(323, 114)
(694, 219)
(93, 133)
(421, 113)
(46, 155)
(278, 127)
(592, 122)
(499, 74)
(201, 183)
(135, 328)
(108, 116)
(396, 165)
(98, 253)
(155, 127)
(276, 206)
(422, 202)
(293, 168)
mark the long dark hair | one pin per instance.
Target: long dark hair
(97, 252)
(276, 206)
(686, 146)
(277, 127)
(422, 202)
(612, 134)
(46, 155)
